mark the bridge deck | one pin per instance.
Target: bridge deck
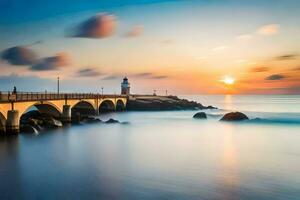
(43, 96)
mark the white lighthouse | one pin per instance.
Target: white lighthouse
(125, 86)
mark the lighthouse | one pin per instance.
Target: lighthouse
(125, 86)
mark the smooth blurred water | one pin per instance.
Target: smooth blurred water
(162, 155)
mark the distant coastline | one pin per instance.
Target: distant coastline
(162, 103)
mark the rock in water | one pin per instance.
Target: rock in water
(112, 121)
(53, 123)
(91, 119)
(200, 115)
(28, 129)
(234, 116)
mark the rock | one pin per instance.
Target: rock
(200, 115)
(112, 121)
(91, 120)
(28, 129)
(211, 107)
(234, 116)
(50, 122)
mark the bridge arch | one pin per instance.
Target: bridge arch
(120, 105)
(43, 107)
(107, 105)
(83, 108)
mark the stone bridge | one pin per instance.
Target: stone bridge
(63, 106)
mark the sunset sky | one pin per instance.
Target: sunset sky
(183, 46)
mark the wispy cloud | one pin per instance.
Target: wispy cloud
(245, 37)
(259, 69)
(135, 31)
(52, 63)
(101, 25)
(220, 48)
(159, 77)
(88, 72)
(275, 77)
(143, 75)
(296, 68)
(149, 75)
(19, 55)
(111, 77)
(269, 29)
(287, 57)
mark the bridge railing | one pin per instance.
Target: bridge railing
(33, 96)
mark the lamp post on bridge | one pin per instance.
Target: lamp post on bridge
(58, 85)
(102, 90)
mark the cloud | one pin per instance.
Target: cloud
(143, 75)
(245, 37)
(111, 77)
(99, 26)
(220, 48)
(296, 69)
(19, 55)
(287, 57)
(270, 29)
(260, 69)
(52, 63)
(275, 77)
(149, 75)
(135, 31)
(88, 72)
(159, 77)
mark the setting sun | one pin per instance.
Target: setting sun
(228, 80)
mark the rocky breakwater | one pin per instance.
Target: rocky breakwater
(162, 103)
(34, 122)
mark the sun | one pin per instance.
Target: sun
(228, 80)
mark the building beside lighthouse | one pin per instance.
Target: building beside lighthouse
(125, 86)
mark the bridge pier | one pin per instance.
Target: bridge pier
(2, 129)
(66, 114)
(97, 113)
(12, 122)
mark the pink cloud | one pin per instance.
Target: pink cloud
(135, 31)
(99, 26)
(270, 29)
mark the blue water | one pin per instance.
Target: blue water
(163, 155)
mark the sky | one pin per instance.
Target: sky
(183, 46)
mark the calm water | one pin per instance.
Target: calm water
(163, 155)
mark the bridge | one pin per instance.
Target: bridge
(63, 106)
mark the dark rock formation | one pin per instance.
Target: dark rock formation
(162, 103)
(38, 121)
(53, 123)
(90, 119)
(200, 115)
(234, 116)
(112, 121)
(26, 128)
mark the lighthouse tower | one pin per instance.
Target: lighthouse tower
(125, 86)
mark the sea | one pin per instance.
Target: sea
(164, 155)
